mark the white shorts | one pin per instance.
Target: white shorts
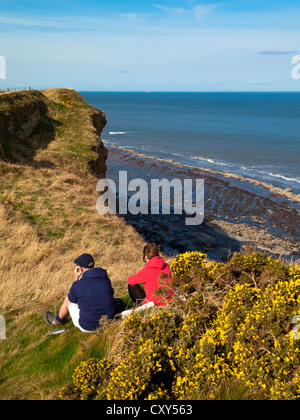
(74, 311)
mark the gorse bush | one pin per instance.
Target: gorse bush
(229, 335)
(250, 341)
(86, 378)
(192, 269)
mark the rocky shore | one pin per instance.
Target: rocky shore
(238, 212)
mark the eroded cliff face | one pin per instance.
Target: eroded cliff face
(98, 166)
(20, 114)
(54, 125)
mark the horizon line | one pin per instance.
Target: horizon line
(11, 89)
(187, 91)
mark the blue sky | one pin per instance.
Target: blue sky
(161, 45)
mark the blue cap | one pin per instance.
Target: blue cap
(85, 261)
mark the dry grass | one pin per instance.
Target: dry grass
(45, 223)
(48, 216)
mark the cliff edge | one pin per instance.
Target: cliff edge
(50, 128)
(50, 156)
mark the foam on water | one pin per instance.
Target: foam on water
(251, 134)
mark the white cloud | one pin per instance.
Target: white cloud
(171, 10)
(23, 21)
(203, 10)
(258, 83)
(277, 52)
(198, 12)
(168, 48)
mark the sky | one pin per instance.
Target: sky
(159, 45)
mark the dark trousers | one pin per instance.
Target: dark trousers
(137, 293)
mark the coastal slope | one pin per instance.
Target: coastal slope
(51, 158)
(30, 121)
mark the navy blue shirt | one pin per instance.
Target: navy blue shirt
(95, 297)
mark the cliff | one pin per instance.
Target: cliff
(51, 154)
(50, 149)
(52, 128)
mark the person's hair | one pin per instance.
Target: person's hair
(151, 250)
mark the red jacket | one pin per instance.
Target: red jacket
(149, 275)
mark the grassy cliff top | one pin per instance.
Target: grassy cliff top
(54, 127)
(48, 217)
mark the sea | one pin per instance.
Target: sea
(255, 135)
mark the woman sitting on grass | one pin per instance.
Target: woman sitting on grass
(150, 277)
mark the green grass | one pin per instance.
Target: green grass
(55, 234)
(35, 365)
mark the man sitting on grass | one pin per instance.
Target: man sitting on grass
(149, 276)
(89, 299)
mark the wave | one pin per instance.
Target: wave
(252, 172)
(248, 174)
(249, 169)
(286, 178)
(117, 132)
(107, 142)
(210, 160)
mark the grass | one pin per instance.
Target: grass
(34, 364)
(48, 217)
(231, 339)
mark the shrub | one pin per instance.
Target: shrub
(87, 378)
(190, 270)
(231, 336)
(250, 341)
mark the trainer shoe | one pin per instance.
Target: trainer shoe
(51, 319)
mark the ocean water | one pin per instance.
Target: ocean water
(256, 135)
